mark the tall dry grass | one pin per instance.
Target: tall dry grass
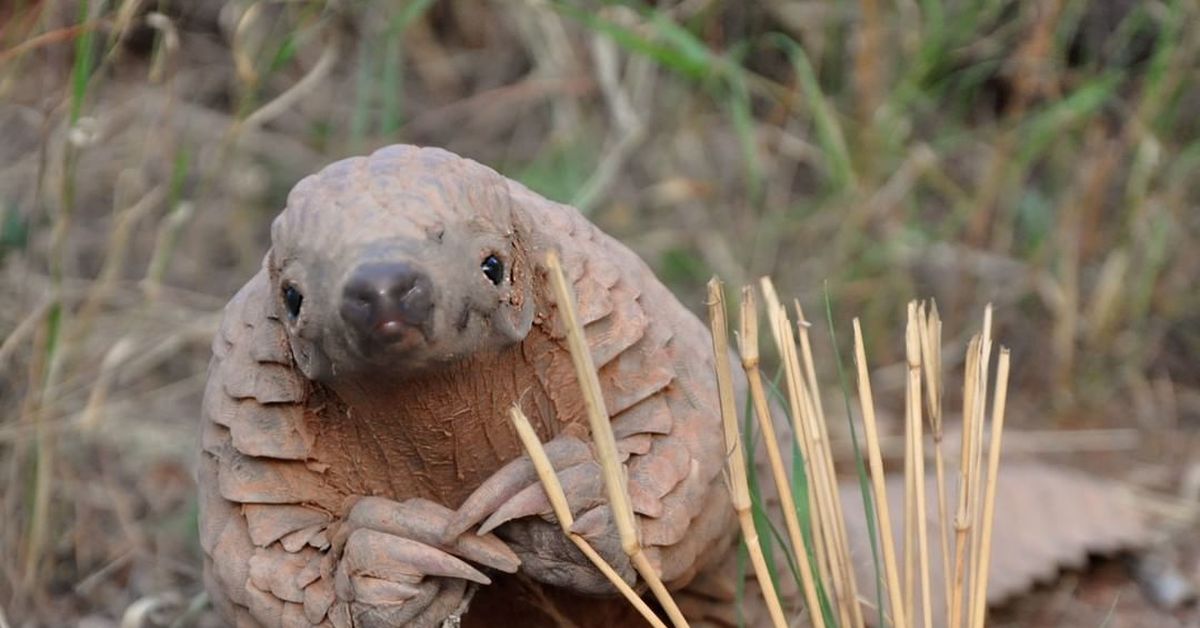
(816, 541)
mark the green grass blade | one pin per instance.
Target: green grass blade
(761, 521)
(829, 131)
(744, 126)
(859, 462)
(81, 72)
(1046, 127)
(679, 55)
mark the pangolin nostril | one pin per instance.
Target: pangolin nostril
(381, 300)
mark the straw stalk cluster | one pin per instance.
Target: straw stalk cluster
(815, 534)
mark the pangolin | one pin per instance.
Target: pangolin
(357, 465)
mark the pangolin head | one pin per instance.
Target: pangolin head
(397, 262)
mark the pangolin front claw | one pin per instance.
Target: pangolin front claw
(582, 483)
(388, 580)
(513, 478)
(424, 521)
(381, 555)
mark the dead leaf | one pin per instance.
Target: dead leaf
(1047, 518)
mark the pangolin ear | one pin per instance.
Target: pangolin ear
(270, 265)
(516, 319)
(307, 356)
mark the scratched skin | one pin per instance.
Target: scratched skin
(357, 465)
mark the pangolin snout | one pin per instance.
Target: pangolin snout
(386, 302)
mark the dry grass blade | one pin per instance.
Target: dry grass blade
(967, 549)
(929, 330)
(820, 484)
(833, 514)
(975, 483)
(821, 481)
(736, 461)
(867, 401)
(48, 38)
(989, 500)
(916, 435)
(847, 596)
(801, 418)
(910, 540)
(25, 329)
(962, 517)
(98, 398)
(558, 501)
(606, 446)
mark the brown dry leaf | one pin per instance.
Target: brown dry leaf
(1047, 518)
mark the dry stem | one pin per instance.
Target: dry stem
(912, 337)
(877, 477)
(930, 332)
(558, 501)
(976, 481)
(962, 518)
(738, 486)
(989, 501)
(781, 331)
(606, 446)
(846, 586)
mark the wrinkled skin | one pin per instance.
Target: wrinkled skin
(358, 467)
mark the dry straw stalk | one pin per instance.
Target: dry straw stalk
(878, 481)
(989, 500)
(929, 329)
(606, 446)
(916, 451)
(736, 461)
(558, 501)
(965, 569)
(822, 485)
(832, 515)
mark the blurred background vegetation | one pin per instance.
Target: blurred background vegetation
(1041, 156)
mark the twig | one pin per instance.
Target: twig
(291, 95)
(27, 326)
(606, 446)
(49, 38)
(98, 398)
(630, 128)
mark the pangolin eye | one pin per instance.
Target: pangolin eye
(493, 269)
(292, 300)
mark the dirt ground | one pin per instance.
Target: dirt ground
(1041, 157)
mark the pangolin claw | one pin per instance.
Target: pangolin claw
(381, 555)
(583, 484)
(514, 477)
(424, 521)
